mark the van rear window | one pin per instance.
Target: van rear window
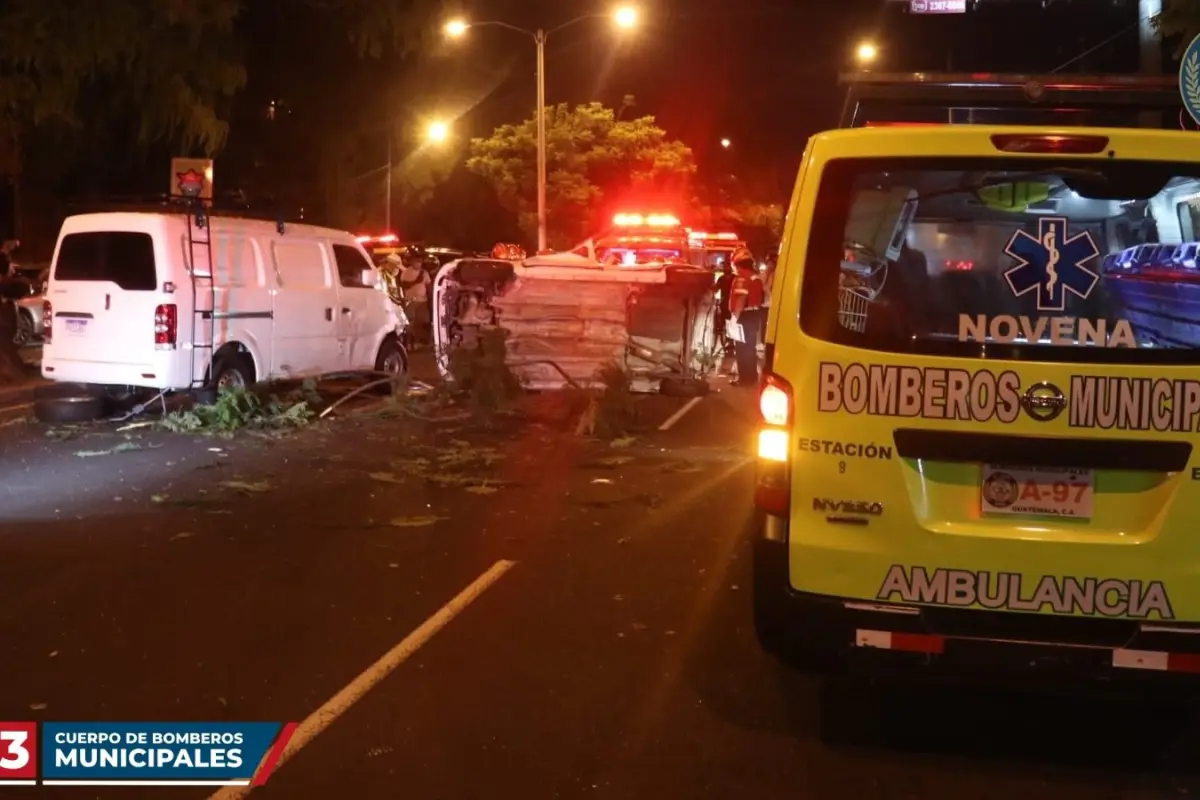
(120, 257)
(1011, 258)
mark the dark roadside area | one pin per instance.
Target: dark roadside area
(156, 576)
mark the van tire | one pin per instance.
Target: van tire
(59, 409)
(232, 370)
(391, 352)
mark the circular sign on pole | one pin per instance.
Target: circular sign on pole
(1189, 79)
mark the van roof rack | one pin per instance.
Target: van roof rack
(198, 207)
(868, 93)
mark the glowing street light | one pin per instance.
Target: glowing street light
(437, 131)
(866, 53)
(624, 17)
(726, 143)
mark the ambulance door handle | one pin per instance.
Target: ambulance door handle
(346, 312)
(329, 315)
(107, 302)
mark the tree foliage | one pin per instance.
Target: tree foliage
(591, 158)
(174, 59)
(176, 63)
(1179, 21)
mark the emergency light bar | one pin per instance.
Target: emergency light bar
(1108, 96)
(387, 238)
(650, 220)
(724, 237)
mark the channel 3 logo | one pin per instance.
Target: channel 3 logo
(18, 753)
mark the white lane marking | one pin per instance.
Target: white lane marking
(20, 407)
(341, 702)
(678, 415)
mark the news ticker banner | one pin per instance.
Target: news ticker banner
(141, 753)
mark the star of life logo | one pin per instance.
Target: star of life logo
(1052, 264)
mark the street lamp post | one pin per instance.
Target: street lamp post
(624, 17)
(436, 133)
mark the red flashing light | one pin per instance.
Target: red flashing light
(1049, 143)
(724, 237)
(387, 238)
(651, 220)
(959, 266)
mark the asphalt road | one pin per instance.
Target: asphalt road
(611, 655)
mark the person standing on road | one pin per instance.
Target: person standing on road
(746, 306)
(414, 280)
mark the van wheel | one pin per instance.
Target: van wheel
(391, 359)
(232, 371)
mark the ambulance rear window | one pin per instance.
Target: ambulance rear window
(120, 257)
(1011, 258)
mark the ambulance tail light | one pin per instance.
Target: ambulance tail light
(772, 491)
(1076, 144)
(47, 321)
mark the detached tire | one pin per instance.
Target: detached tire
(68, 408)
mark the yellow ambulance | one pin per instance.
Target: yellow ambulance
(982, 391)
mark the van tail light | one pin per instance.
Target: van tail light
(166, 326)
(1049, 143)
(773, 487)
(47, 321)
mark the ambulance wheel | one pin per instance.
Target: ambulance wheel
(392, 360)
(60, 407)
(232, 371)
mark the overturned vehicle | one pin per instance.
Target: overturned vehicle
(568, 316)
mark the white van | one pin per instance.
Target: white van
(125, 308)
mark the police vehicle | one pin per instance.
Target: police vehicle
(981, 400)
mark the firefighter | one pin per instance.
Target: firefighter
(746, 307)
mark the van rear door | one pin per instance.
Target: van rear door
(104, 290)
(989, 412)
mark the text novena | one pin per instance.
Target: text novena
(1006, 329)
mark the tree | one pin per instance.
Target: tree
(591, 158)
(463, 211)
(1179, 20)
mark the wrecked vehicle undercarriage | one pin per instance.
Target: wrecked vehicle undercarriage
(566, 317)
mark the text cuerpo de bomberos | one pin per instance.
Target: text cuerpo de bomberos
(153, 750)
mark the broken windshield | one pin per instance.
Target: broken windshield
(1084, 260)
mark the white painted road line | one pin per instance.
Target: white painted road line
(678, 415)
(341, 702)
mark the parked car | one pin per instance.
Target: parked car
(140, 299)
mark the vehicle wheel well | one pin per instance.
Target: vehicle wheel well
(232, 349)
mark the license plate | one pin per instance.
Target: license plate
(1037, 490)
(77, 326)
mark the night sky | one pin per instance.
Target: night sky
(762, 72)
